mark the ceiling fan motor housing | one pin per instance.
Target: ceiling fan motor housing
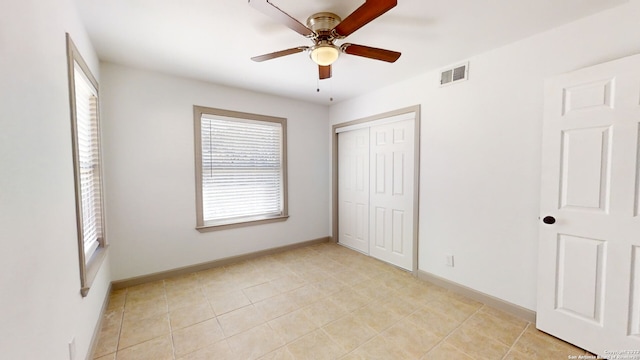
(323, 22)
(324, 52)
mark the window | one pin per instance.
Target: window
(85, 130)
(241, 168)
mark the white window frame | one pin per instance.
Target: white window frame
(91, 255)
(203, 224)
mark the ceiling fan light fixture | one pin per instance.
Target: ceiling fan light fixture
(324, 28)
(324, 54)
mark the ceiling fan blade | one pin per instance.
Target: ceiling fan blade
(368, 11)
(280, 53)
(324, 71)
(267, 8)
(370, 52)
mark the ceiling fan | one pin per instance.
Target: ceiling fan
(324, 28)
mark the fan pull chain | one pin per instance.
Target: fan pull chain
(330, 89)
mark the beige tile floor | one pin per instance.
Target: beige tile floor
(319, 302)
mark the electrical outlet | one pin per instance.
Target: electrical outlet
(72, 349)
(449, 260)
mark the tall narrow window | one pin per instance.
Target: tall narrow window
(85, 130)
(241, 168)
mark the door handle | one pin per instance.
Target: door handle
(549, 220)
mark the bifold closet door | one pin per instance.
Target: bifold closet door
(391, 203)
(353, 189)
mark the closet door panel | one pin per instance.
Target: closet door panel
(391, 152)
(353, 189)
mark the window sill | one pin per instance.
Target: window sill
(237, 223)
(92, 268)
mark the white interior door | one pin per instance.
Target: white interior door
(353, 189)
(589, 259)
(391, 196)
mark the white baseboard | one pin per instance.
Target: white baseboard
(96, 332)
(138, 280)
(493, 301)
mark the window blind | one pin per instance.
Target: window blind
(242, 174)
(86, 101)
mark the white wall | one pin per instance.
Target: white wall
(480, 150)
(149, 155)
(40, 303)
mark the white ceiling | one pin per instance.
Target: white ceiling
(213, 40)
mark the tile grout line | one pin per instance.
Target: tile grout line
(516, 340)
(166, 299)
(201, 289)
(377, 332)
(335, 343)
(286, 343)
(454, 330)
(121, 323)
(225, 337)
(278, 334)
(317, 327)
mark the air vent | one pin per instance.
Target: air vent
(454, 74)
